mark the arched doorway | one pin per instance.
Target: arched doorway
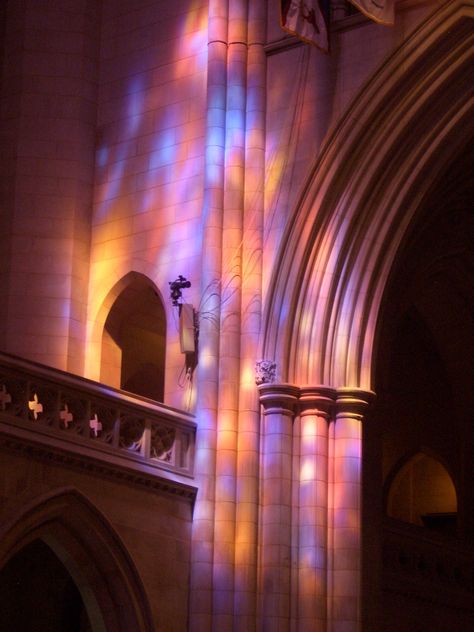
(425, 339)
(421, 430)
(422, 493)
(37, 593)
(134, 339)
(63, 533)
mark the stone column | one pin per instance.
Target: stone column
(229, 351)
(279, 401)
(346, 513)
(248, 455)
(315, 404)
(202, 557)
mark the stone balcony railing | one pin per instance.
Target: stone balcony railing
(66, 419)
(428, 565)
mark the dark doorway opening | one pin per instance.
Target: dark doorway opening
(37, 594)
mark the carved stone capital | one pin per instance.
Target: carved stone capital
(316, 400)
(353, 402)
(278, 398)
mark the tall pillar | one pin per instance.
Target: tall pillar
(346, 512)
(315, 404)
(229, 351)
(248, 454)
(279, 402)
(202, 557)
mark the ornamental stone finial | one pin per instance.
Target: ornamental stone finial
(265, 371)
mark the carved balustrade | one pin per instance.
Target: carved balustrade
(428, 565)
(45, 411)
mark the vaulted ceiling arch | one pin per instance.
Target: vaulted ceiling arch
(362, 198)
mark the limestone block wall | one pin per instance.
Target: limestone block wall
(153, 526)
(48, 91)
(149, 162)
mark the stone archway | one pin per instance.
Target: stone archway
(37, 591)
(363, 194)
(102, 302)
(358, 208)
(92, 553)
(422, 375)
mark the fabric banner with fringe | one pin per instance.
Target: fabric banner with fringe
(381, 11)
(308, 20)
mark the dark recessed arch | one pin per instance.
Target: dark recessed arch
(37, 591)
(133, 351)
(93, 554)
(420, 490)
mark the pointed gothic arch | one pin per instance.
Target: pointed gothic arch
(363, 195)
(37, 590)
(420, 486)
(93, 554)
(132, 323)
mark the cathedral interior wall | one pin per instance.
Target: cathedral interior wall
(124, 166)
(154, 527)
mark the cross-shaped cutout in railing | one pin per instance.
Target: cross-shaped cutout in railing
(35, 406)
(95, 425)
(5, 397)
(65, 416)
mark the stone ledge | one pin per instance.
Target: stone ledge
(115, 468)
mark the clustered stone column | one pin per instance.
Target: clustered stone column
(279, 403)
(315, 584)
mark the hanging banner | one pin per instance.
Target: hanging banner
(381, 11)
(307, 19)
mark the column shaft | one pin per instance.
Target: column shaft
(276, 503)
(347, 501)
(201, 602)
(251, 307)
(313, 509)
(229, 352)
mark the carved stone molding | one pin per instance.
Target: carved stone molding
(321, 400)
(426, 566)
(86, 463)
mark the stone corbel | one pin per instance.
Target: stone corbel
(265, 372)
